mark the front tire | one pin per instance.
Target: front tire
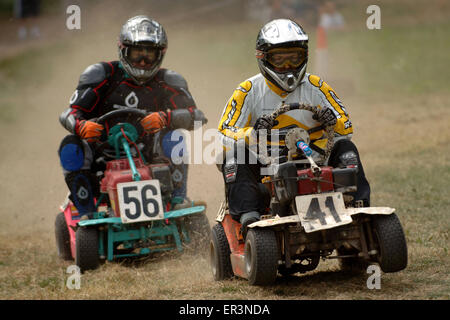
(87, 257)
(62, 237)
(261, 256)
(392, 249)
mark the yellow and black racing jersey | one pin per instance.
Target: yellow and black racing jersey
(257, 96)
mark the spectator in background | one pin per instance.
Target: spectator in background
(258, 10)
(27, 11)
(265, 10)
(292, 9)
(329, 19)
(305, 11)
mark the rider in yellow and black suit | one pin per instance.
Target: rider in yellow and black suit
(282, 53)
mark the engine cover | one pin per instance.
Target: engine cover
(308, 186)
(118, 171)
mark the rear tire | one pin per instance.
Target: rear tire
(392, 249)
(219, 251)
(62, 237)
(87, 257)
(261, 256)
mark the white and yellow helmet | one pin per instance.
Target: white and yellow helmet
(282, 53)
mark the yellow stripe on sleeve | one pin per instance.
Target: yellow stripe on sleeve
(343, 125)
(234, 105)
(233, 111)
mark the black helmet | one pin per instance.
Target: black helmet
(142, 45)
(282, 53)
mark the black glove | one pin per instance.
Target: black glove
(264, 123)
(326, 116)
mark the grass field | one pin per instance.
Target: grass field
(394, 83)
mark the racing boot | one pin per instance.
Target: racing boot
(181, 203)
(247, 219)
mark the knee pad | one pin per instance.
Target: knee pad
(75, 154)
(349, 154)
(71, 153)
(344, 154)
(348, 158)
(174, 146)
(229, 172)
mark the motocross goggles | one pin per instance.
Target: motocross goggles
(285, 58)
(135, 55)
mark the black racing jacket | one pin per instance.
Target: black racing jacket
(105, 86)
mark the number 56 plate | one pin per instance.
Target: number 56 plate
(140, 201)
(322, 211)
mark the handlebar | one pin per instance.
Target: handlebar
(293, 106)
(329, 130)
(121, 113)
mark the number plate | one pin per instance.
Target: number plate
(322, 211)
(140, 201)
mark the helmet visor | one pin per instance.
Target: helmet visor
(142, 57)
(286, 58)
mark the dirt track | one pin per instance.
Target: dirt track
(32, 186)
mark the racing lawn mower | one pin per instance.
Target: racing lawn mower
(311, 215)
(135, 213)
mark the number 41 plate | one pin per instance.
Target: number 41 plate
(322, 211)
(140, 201)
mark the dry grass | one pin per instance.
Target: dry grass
(403, 139)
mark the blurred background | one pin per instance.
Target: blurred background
(394, 82)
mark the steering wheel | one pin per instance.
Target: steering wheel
(127, 115)
(126, 118)
(329, 130)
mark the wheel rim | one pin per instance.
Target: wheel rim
(248, 258)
